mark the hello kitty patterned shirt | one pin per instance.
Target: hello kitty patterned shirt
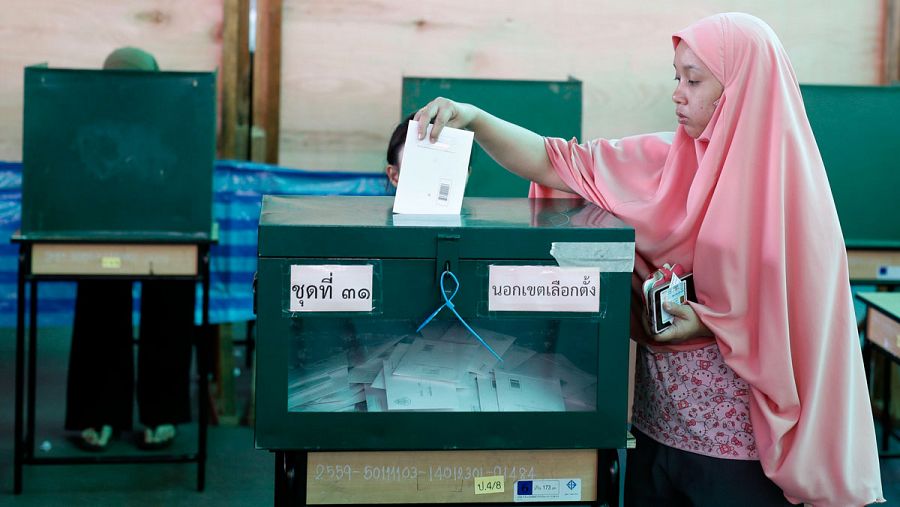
(695, 402)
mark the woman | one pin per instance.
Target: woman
(760, 381)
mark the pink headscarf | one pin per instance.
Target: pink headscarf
(748, 209)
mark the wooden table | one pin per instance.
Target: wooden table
(71, 259)
(883, 336)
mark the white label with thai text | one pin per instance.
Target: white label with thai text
(543, 289)
(331, 288)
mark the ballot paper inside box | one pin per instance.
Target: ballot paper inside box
(384, 376)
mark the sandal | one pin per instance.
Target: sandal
(157, 438)
(92, 440)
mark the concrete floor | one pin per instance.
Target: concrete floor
(237, 474)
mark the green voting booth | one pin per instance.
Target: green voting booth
(127, 154)
(549, 108)
(530, 352)
(856, 128)
(116, 185)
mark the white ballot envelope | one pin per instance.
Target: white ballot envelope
(487, 394)
(433, 176)
(411, 393)
(520, 393)
(436, 360)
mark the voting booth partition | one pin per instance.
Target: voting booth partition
(853, 126)
(501, 331)
(124, 154)
(116, 185)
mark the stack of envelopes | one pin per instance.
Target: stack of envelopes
(441, 369)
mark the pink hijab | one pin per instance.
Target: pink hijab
(748, 209)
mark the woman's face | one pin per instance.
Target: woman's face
(697, 93)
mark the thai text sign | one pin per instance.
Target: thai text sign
(543, 289)
(331, 288)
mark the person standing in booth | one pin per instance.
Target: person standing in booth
(101, 381)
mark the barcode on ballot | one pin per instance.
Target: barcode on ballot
(444, 192)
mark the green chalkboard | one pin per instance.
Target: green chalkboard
(549, 108)
(118, 155)
(857, 129)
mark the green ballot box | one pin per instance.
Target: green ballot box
(528, 348)
(118, 155)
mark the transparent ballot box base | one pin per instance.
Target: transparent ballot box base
(493, 365)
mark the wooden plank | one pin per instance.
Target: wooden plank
(234, 142)
(80, 33)
(111, 259)
(867, 264)
(267, 82)
(892, 42)
(343, 61)
(222, 392)
(883, 331)
(438, 476)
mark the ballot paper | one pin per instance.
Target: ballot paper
(514, 357)
(411, 393)
(572, 378)
(317, 380)
(433, 178)
(521, 393)
(367, 360)
(467, 393)
(396, 356)
(378, 383)
(346, 398)
(376, 399)
(372, 349)
(389, 364)
(582, 401)
(436, 329)
(483, 361)
(436, 360)
(487, 394)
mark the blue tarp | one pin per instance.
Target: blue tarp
(238, 189)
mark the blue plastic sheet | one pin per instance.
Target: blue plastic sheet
(238, 189)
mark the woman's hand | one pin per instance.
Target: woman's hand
(444, 112)
(685, 324)
(517, 149)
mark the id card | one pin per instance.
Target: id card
(678, 291)
(676, 294)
